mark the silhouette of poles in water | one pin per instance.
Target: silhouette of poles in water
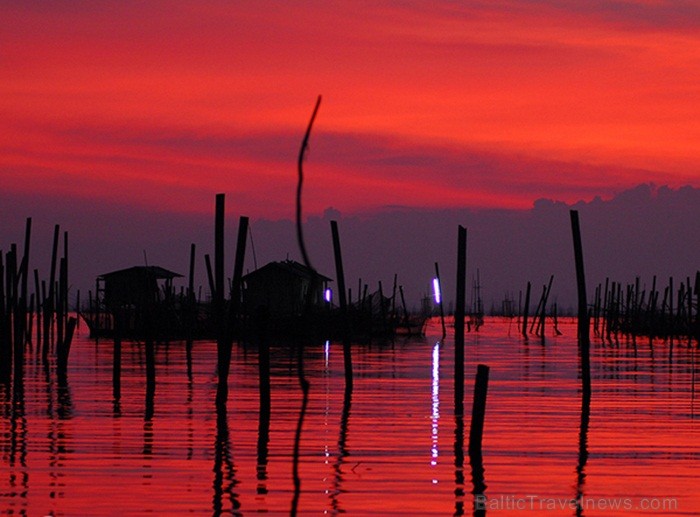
(541, 312)
(224, 320)
(633, 311)
(476, 429)
(235, 303)
(17, 309)
(584, 351)
(347, 363)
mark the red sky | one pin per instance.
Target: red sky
(474, 103)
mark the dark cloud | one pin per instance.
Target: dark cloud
(643, 231)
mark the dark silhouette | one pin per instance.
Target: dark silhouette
(459, 465)
(340, 276)
(460, 308)
(583, 322)
(476, 431)
(303, 382)
(225, 481)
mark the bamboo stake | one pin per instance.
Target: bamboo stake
(583, 327)
(460, 309)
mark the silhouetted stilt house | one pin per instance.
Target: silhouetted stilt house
(282, 289)
(133, 293)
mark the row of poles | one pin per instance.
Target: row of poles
(46, 309)
(224, 344)
(632, 310)
(17, 313)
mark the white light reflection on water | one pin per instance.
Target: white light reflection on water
(435, 415)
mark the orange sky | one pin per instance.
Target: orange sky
(475, 103)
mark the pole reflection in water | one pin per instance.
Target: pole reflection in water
(65, 403)
(190, 408)
(582, 451)
(263, 450)
(224, 472)
(264, 395)
(343, 453)
(18, 485)
(305, 386)
(372, 454)
(459, 465)
(60, 436)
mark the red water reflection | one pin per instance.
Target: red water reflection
(394, 449)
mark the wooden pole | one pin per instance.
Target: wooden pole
(236, 289)
(5, 339)
(540, 304)
(540, 325)
(37, 293)
(210, 275)
(340, 277)
(117, 357)
(583, 327)
(526, 310)
(303, 382)
(60, 309)
(339, 273)
(460, 309)
(64, 346)
(64, 290)
(476, 430)
(49, 314)
(191, 311)
(697, 307)
(24, 274)
(218, 301)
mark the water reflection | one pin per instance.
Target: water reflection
(224, 471)
(343, 453)
(459, 465)
(582, 451)
(265, 407)
(377, 453)
(65, 402)
(17, 461)
(435, 413)
(305, 386)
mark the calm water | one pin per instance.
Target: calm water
(67, 449)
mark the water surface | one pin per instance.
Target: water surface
(68, 449)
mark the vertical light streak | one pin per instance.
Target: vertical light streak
(436, 290)
(435, 415)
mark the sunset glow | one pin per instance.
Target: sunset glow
(484, 104)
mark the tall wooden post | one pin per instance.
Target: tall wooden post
(342, 300)
(460, 308)
(583, 327)
(238, 267)
(218, 299)
(476, 430)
